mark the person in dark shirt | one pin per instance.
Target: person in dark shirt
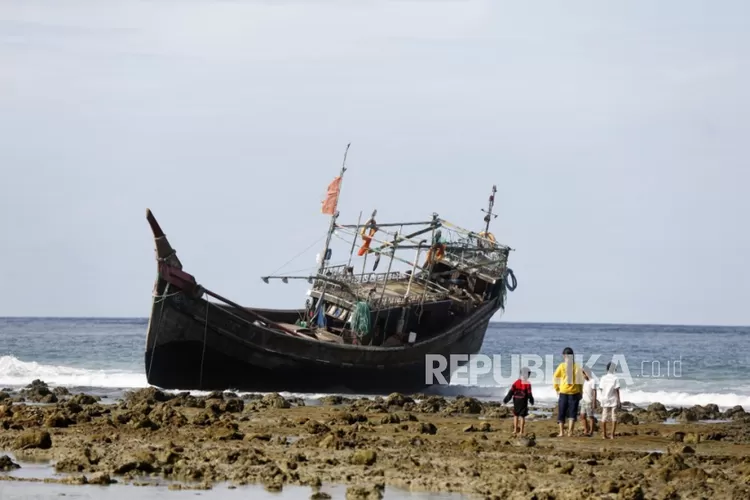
(520, 393)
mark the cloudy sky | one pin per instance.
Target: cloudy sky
(617, 137)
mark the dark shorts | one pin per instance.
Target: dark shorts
(567, 406)
(520, 407)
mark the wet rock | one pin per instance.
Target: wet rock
(83, 399)
(275, 401)
(485, 427)
(36, 391)
(258, 437)
(315, 427)
(363, 457)
(627, 418)
(397, 399)
(693, 474)
(631, 493)
(364, 492)
(33, 439)
(470, 428)
(691, 438)
(72, 407)
(71, 464)
(233, 405)
(145, 423)
(566, 468)
(140, 461)
(431, 404)
(49, 399)
(735, 413)
(524, 442)
(149, 395)
(427, 428)
(202, 419)
(687, 415)
(320, 495)
(61, 391)
(350, 419)
(78, 480)
(57, 419)
(609, 487)
(657, 407)
(4, 395)
(465, 406)
(101, 479)
(391, 418)
(670, 466)
(164, 415)
(715, 436)
(332, 400)
(678, 436)
(6, 464)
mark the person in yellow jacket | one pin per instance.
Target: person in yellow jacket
(568, 383)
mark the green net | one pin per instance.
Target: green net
(360, 319)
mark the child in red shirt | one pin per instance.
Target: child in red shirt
(520, 392)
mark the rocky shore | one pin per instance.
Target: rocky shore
(424, 443)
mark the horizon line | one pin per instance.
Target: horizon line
(571, 323)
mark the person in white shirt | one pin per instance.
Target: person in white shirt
(609, 390)
(588, 403)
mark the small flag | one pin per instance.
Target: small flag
(332, 197)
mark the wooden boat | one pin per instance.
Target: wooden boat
(361, 331)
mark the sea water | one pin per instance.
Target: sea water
(674, 365)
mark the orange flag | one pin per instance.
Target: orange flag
(332, 197)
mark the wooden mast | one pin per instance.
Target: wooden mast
(335, 214)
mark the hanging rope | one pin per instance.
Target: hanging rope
(203, 354)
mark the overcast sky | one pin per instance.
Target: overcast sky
(616, 134)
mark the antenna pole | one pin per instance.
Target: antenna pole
(490, 215)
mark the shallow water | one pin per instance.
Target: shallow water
(14, 490)
(44, 469)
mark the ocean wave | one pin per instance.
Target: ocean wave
(14, 372)
(547, 396)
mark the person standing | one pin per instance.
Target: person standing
(520, 393)
(609, 387)
(588, 402)
(568, 383)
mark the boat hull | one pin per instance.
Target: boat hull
(193, 344)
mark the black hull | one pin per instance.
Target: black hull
(196, 345)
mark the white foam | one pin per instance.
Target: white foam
(14, 372)
(721, 399)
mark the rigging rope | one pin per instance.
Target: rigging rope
(158, 330)
(299, 254)
(203, 354)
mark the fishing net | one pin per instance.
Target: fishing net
(360, 319)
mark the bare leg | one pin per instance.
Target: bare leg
(614, 426)
(604, 429)
(515, 425)
(523, 426)
(560, 425)
(585, 424)
(571, 425)
(591, 426)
